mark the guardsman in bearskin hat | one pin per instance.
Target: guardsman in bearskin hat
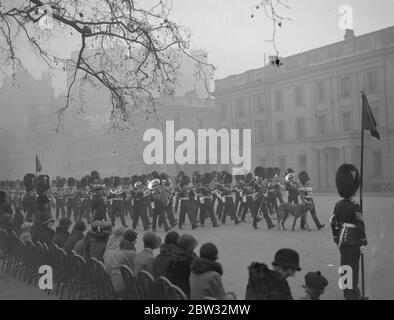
(186, 198)
(196, 182)
(271, 195)
(117, 198)
(159, 204)
(177, 183)
(29, 199)
(347, 225)
(60, 198)
(169, 189)
(278, 186)
(247, 196)
(260, 200)
(97, 203)
(206, 202)
(306, 190)
(291, 186)
(139, 203)
(239, 182)
(84, 193)
(128, 208)
(71, 201)
(228, 200)
(43, 189)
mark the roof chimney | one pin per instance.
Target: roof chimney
(349, 34)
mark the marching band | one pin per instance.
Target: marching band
(156, 198)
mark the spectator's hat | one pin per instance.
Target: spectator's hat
(315, 281)
(287, 258)
(151, 240)
(209, 251)
(80, 225)
(171, 237)
(130, 235)
(187, 241)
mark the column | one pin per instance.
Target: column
(315, 169)
(323, 170)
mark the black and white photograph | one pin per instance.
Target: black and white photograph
(185, 150)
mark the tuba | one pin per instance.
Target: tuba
(159, 192)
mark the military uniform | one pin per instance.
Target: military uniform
(347, 225)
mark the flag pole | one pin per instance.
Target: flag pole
(35, 164)
(361, 194)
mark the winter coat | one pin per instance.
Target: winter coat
(206, 280)
(124, 255)
(60, 237)
(43, 233)
(72, 239)
(179, 270)
(93, 245)
(162, 261)
(266, 284)
(144, 261)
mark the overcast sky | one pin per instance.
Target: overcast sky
(236, 42)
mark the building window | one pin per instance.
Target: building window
(372, 82)
(299, 97)
(300, 128)
(282, 163)
(263, 162)
(321, 92)
(322, 125)
(377, 162)
(345, 87)
(280, 130)
(260, 133)
(346, 121)
(302, 163)
(278, 100)
(259, 105)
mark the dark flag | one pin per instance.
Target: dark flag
(38, 165)
(369, 122)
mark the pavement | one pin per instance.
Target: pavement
(240, 245)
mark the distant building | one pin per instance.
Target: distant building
(306, 114)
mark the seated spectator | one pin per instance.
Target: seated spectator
(95, 241)
(144, 259)
(114, 240)
(62, 233)
(206, 275)
(42, 230)
(17, 221)
(6, 222)
(5, 206)
(26, 231)
(123, 255)
(179, 268)
(266, 284)
(75, 236)
(167, 250)
(315, 285)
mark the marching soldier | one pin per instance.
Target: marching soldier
(259, 201)
(71, 199)
(168, 189)
(239, 183)
(228, 200)
(117, 198)
(291, 186)
(139, 205)
(271, 195)
(278, 186)
(43, 201)
(206, 201)
(60, 198)
(29, 199)
(84, 194)
(306, 190)
(97, 202)
(247, 197)
(128, 208)
(347, 225)
(159, 203)
(186, 198)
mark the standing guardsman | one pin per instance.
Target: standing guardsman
(347, 225)
(29, 199)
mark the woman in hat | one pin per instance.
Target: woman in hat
(266, 284)
(347, 225)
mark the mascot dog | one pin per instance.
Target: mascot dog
(295, 210)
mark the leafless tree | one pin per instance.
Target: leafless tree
(272, 9)
(130, 48)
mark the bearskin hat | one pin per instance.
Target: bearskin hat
(277, 171)
(95, 175)
(134, 179)
(126, 181)
(143, 178)
(43, 184)
(85, 181)
(59, 183)
(248, 177)
(185, 180)
(29, 181)
(228, 178)
(303, 177)
(269, 173)
(3, 197)
(163, 176)
(70, 182)
(259, 172)
(117, 181)
(207, 178)
(347, 180)
(289, 170)
(155, 175)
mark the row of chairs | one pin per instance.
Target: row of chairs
(74, 277)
